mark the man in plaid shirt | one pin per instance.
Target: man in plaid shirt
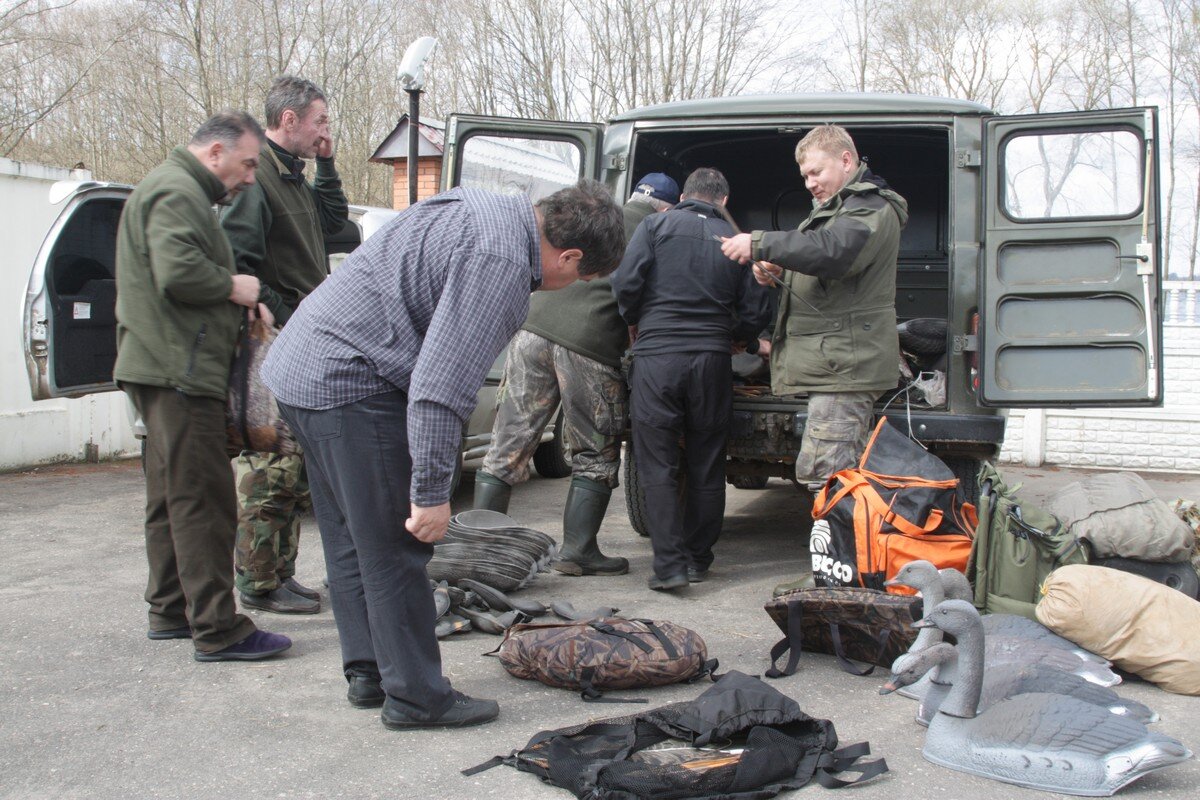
(376, 373)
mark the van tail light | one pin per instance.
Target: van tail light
(973, 354)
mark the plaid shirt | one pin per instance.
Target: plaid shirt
(424, 306)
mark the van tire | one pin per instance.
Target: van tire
(753, 482)
(551, 459)
(966, 469)
(635, 499)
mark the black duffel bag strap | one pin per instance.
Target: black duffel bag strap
(669, 648)
(792, 641)
(591, 694)
(605, 628)
(845, 759)
(845, 663)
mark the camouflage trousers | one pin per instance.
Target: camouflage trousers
(272, 494)
(538, 375)
(835, 434)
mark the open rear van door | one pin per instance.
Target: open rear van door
(1071, 274)
(519, 156)
(69, 315)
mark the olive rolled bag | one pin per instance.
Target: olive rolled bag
(852, 623)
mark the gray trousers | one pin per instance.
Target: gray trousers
(359, 470)
(190, 517)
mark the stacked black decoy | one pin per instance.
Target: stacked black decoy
(491, 548)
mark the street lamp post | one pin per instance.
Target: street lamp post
(412, 77)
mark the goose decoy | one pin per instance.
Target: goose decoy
(1003, 681)
(955, 586)
(1041, 741)
(922, 576)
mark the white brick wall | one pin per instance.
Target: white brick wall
(1163, 439)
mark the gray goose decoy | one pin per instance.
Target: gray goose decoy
(925, 577)
(922, 576)
(940, 662)
(1042, 741)
(955, 586)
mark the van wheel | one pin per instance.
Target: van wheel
(635, 499)
(967, 472)
(551, 459)
(748, 481)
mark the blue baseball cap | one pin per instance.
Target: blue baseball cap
(660, 186)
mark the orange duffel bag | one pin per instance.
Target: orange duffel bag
(900, 504)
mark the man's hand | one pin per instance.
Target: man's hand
(737, 247)
(325, 147)
(428, 523)
(264, 313)
(245, 290)
(764, 348)
(765, 271)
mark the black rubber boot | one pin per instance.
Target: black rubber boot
(491, 492)
(587, 501)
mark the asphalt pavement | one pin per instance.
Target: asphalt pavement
(90, 708)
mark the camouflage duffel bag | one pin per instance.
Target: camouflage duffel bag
(852, 623)
(605, 653)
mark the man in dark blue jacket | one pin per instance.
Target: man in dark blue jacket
(675, 287)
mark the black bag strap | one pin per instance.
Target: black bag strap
(492, 762)
(845, 759)
(791, 641)
(591, 694)
(845, 663)
(669, 648)
(605, 628)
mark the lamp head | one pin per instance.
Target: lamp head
(412, 67)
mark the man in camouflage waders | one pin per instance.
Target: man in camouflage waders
(569, 352)
(278, 231)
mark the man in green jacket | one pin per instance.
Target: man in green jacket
(569, 353)
(835, 332)
(277, 228)
(179, 308)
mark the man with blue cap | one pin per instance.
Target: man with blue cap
(569, 353)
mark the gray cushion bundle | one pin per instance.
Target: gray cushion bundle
(492, 548)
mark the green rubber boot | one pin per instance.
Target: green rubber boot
(491, 493)
(587, 501)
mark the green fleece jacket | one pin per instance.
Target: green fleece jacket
(176, 327)
(837, 333)
(583, 317)
(278, 227)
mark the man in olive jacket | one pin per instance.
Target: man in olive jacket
(835, 332)
(277, 228)
(178, 314)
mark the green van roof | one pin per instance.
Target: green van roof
(821, 104)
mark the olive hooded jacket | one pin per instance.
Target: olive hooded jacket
(176, 327)
(837, 332)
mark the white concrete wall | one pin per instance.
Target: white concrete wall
(50, 430)
(1163, 439)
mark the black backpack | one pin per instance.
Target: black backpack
(739, 739)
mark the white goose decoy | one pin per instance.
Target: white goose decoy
(925, 578)
(955, 586)
(1042, 741)
(940, 662)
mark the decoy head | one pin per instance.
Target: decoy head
(916, 575)
(955, 585)
(909, 667)
(952, 616)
